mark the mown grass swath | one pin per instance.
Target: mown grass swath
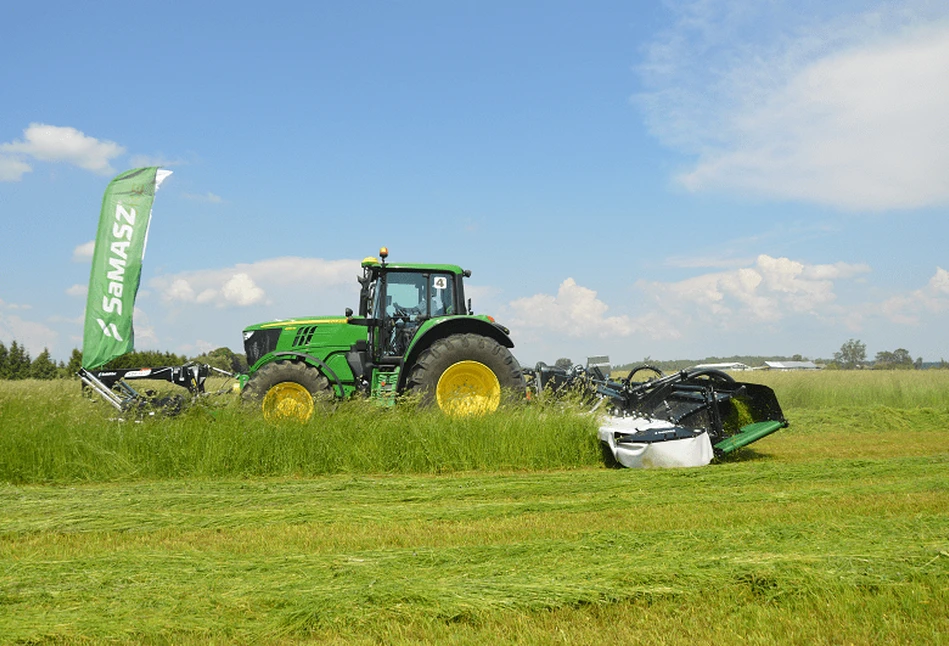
(834, 551)
(835, 530)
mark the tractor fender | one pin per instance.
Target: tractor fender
(442, 327)
(316, 362)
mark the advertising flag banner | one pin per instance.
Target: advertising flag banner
(117, 264)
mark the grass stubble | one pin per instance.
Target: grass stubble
(399, 526)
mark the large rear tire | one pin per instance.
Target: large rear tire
(287, 390)
(467, 374)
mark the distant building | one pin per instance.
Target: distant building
(791, 365)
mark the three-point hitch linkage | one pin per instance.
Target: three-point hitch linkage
(113, 386)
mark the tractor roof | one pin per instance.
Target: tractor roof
(413, 266)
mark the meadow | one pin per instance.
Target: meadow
(373, 525)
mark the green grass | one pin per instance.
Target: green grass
(863, 388)
(829, 552)
(53, 434)
(834, 531)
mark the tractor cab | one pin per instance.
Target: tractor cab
(398, 299)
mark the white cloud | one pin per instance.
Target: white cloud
(32, 335)
(248, 284)
(177, 289)
(769, 304)
(58, 144)
(12, 169)
(145, 335)
(849, 113)
(574, 311)
(14, 306)
(767, 292)
(77, 290)
(83, 252)
(933, 298)
(241, 290)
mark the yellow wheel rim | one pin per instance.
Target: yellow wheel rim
(468, 388)
(288, 401)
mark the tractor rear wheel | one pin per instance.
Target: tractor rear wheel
(287, 390)
(467, 374)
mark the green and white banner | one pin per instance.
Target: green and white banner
(117, 264)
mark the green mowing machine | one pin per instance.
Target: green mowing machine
(676, 420)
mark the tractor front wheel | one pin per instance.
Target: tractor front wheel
(287, 390)
(467, 374)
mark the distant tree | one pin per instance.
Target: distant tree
(18, 362)
(563, 362)
(43, 367)
(853, 353)
(3, 360)
(899, 359)
(901, 356)
(918, 364)
(223, 358)
(75, 363)
(146, 359)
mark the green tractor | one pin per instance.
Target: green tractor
(414, 332)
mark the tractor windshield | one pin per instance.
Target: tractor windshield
(408, 298)
(415, 296)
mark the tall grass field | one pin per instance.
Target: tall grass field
(374, 525)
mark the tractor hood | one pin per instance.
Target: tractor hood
(281, 324)
(289, 334)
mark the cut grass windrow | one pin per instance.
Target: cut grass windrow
(374, 556)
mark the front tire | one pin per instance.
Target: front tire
(287, 390)
(467, 374)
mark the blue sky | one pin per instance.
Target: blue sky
(663, 179)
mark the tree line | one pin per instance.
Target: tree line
(16, 363)
(853, 355)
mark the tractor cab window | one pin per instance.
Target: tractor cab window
(408, 299)
(413, 296)
(404, 297)
(441, 295)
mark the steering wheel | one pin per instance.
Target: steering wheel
(405, 313)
